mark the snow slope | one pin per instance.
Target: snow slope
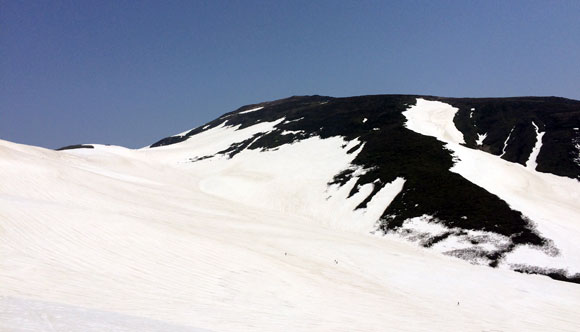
(147, 240)
(550, 201)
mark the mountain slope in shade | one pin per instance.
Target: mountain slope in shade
(296, 215)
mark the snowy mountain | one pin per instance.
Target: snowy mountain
(448, 197)
(308, 213)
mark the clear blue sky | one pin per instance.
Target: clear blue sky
(131, 72)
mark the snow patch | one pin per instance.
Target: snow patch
(576, 143)
(469, 245)
(434, 118)
(251, 110)
(420, 228)
(292, 132)
(289, 121)
(506, 142)
(480, 138)
(532, 163)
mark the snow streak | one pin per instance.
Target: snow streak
(532, 163)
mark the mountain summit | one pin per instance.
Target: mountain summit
(370, 213)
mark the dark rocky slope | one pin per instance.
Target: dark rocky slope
(558, 117)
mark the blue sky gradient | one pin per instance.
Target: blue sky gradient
(132, 72)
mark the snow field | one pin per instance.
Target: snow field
(119, 237)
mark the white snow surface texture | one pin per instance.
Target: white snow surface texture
(113, 239)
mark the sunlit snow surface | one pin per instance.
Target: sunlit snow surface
(24, 315)
(114, 239)
(550, 201)
(531, 163)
